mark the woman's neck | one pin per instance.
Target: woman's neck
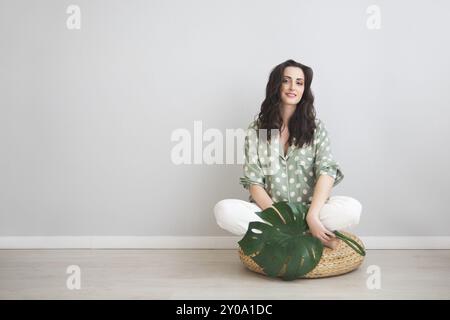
(286, 113)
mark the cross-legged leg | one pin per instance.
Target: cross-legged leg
(338, 212)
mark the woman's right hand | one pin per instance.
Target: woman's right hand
(318, 230)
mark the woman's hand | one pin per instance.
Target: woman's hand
(318, 230)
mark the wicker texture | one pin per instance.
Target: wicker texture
(333, 262)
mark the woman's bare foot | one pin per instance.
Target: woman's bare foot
(332, 244)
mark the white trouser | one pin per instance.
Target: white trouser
(338, 212)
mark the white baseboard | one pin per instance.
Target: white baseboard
(172, 242)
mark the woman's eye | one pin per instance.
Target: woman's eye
(299, 83)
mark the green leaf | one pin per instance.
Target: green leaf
(282, 247)
(351, 243)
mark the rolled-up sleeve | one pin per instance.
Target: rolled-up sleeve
(324, 160)
(253, 173)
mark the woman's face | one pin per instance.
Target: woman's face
(292, 85)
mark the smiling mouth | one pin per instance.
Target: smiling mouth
(291, 95)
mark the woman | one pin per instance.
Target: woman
(301, 169)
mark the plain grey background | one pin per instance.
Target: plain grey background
(86, 115)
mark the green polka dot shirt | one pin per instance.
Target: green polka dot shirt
(292, 177)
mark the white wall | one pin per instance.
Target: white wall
(86, 115)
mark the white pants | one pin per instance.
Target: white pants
(338, 212)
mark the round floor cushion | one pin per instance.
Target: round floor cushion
(333, 262)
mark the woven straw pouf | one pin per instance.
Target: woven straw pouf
(333, 262)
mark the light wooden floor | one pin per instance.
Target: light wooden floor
(211, 274)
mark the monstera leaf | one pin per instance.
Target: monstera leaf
(284, 247)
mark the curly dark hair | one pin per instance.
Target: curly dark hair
(302, 122)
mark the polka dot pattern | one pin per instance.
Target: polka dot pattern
(292, 177)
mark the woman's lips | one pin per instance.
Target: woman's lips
(291, 95)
